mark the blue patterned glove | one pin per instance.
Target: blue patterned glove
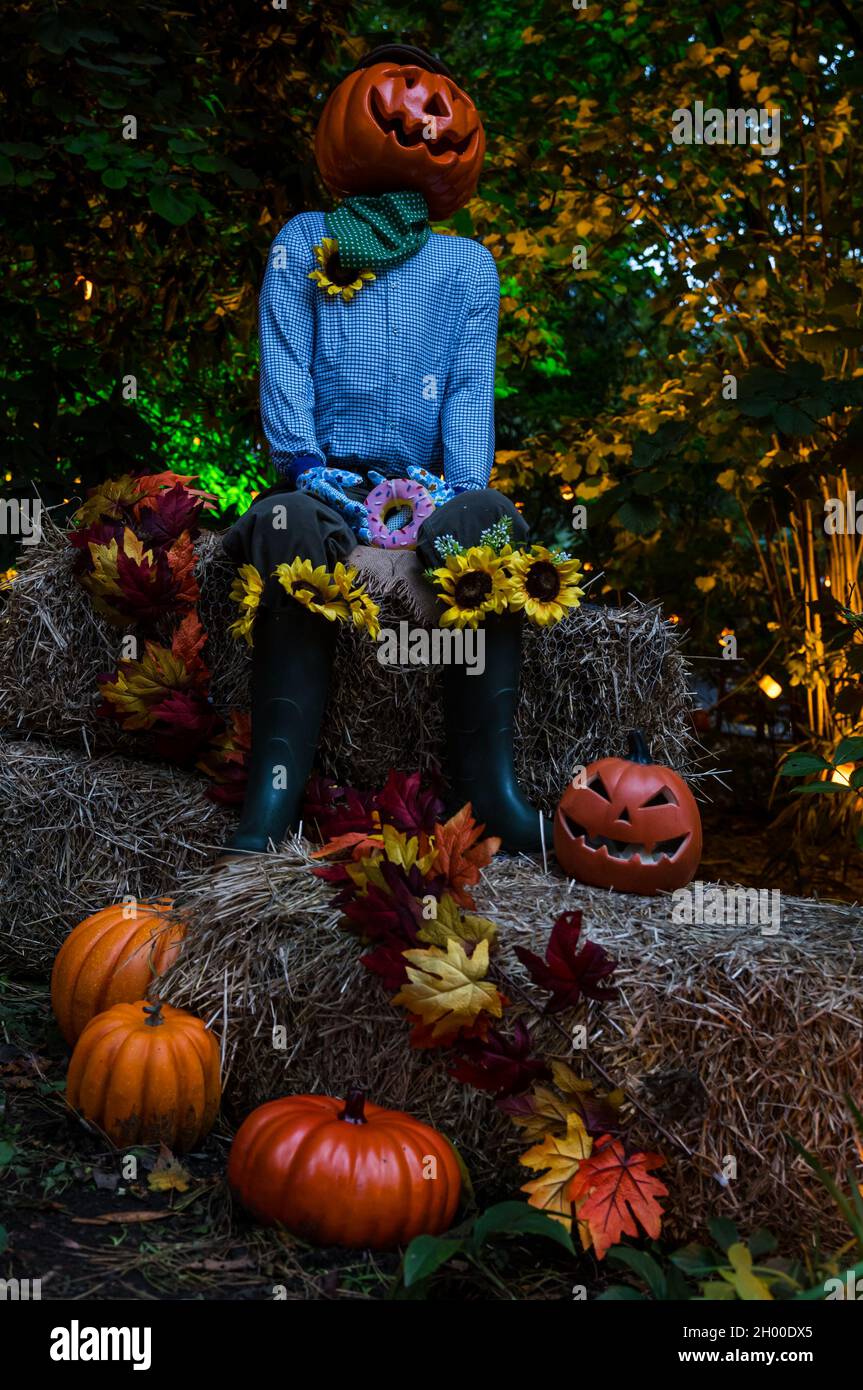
(328, 484)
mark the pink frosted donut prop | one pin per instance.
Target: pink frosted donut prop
(392, 495)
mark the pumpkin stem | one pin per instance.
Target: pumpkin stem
(355, 1104)
(638, 750)
(154, 1015)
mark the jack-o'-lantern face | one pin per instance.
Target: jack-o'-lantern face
(393, 127)
(629, 824)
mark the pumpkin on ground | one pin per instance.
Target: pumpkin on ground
(146, 1074)
(629, 824)
(394, 126)
(344, 1173)
(111, 958)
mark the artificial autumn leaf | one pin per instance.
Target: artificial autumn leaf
(567, 972)
(502, 1065)
(182, 558)
(460, 852)
(187, 643)
(561, 1158)
(406, 804)
(544, 1111)
(150, 486)
(451, 924)
(227, 760)
(615, 1193)
(600, 1110)
(449, 990)
(139, 687)
(128, 582)
(336, 811)
(168, 514)
(183, 722)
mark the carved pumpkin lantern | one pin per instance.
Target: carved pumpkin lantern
(395, 125)
(629, 824)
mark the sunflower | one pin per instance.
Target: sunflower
(331, 275)
(312, 587)
(544, 584)
(473, 584)
(364, 612)
(246, 590)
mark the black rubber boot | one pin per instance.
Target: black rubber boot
(479, 713)
(291, 664)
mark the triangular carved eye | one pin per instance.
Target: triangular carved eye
(597, 785)
(665, 797)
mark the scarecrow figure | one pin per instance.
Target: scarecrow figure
(378, 340)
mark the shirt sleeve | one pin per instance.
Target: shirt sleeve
(287, 330)
(467, 413)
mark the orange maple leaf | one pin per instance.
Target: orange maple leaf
(460, 853)
(181, 559)
(614, 1193)
(186, 644)
(359, 842)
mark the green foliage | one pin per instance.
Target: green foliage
(427, 1254)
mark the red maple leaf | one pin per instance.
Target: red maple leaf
(409, 805)
(615, 1194)
(500, 1064)
(567, 972)
(167, 514)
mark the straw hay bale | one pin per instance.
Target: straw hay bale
(79, 833)
(585, 683)
(729, 1039)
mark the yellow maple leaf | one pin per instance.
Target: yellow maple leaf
(561, 1159)
(449, 990)
(451, 924)
(139, 685)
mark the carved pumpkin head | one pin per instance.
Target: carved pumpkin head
(629, 824)
(399, 122)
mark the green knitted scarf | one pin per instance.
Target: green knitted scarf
(375, 233)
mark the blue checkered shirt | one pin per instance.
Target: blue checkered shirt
(402, 374)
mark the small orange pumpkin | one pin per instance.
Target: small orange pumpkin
(344, 1173)
(146, 1074)
(111, 958)
(395, 126)
(629, 824)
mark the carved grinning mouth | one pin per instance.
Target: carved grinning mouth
(395, 125)
(627, 850)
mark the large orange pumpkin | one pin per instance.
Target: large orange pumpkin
(146, 1074)
(111, 958)
(392, 127)
(344, 1172)
(629, 824)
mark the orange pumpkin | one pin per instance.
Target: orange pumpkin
(344, 1172)
(629, 824)
(394, 126)
(146, 1074)
(111, 958)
